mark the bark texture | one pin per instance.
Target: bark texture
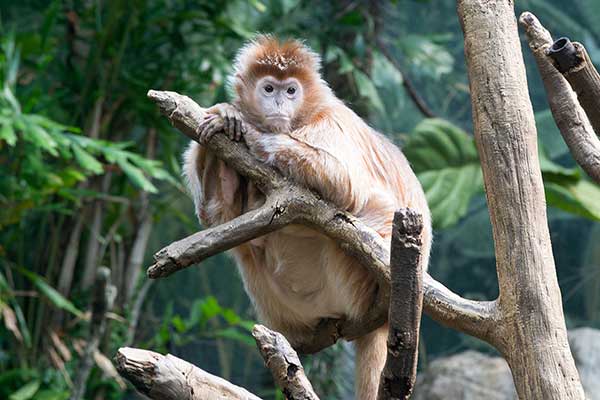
(170, 378)
(400, 370)
(570, 118)
(531, 332)
(573, 61)
(284, 364)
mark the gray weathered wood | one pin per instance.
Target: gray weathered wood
(170, 378)
(572, 60)
(406, 303)
(570, 118)
(530, 332)
(284, 364)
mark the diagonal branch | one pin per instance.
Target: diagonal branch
(302, 206)
(573, 61)
(570, 118)
(406, 82)
(284, 364)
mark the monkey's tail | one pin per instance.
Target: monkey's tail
(191, 158)
(371, 351)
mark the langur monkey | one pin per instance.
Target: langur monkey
(291, 120)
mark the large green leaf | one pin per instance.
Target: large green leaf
(445, 159)
(581, 197)
(27, 391)
(7, 133)
(50, 293)
(568, 190)
(367, 89)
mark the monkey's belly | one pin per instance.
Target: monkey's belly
(304, 277)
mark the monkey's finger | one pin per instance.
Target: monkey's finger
(230, 127)
(200, 130)
(238, 129)
(211, 128)
(226, 124)
(230, 124)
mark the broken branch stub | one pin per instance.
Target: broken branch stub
(406, 304)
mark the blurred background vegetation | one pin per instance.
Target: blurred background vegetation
(90, 175)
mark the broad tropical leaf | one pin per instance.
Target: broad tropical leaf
(445, 159)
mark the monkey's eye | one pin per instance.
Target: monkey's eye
(268, 88)
(291, 90)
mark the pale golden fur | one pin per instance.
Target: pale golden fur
(297, 276)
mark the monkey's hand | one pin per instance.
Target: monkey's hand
(222, 116)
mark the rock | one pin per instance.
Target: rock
(476, 376)
(466, 376)
(585, 346)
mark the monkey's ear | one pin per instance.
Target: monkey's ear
(240, 77)
(235, 82)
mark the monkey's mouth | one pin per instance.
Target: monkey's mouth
(278, 116)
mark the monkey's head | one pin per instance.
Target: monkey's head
(277, 83)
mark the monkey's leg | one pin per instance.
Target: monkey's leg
(371, 351)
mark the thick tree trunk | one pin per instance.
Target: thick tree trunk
(531, 333)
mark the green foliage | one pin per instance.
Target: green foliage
(206, 319)
(445, 159)
(50, 293)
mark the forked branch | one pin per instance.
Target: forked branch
(570, 118)
(289, 203)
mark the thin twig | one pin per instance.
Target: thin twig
(406, 82)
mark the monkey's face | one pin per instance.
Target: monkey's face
(278, 101)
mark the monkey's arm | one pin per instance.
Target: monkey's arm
(306, 164)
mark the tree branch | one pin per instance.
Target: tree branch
(406, 301)
(406, 82)
(570, 118)
(170, 378)
(573, 61)
(284, 364)
(304, 207)
(102, 302)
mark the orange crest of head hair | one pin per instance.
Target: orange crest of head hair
(268, 56)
